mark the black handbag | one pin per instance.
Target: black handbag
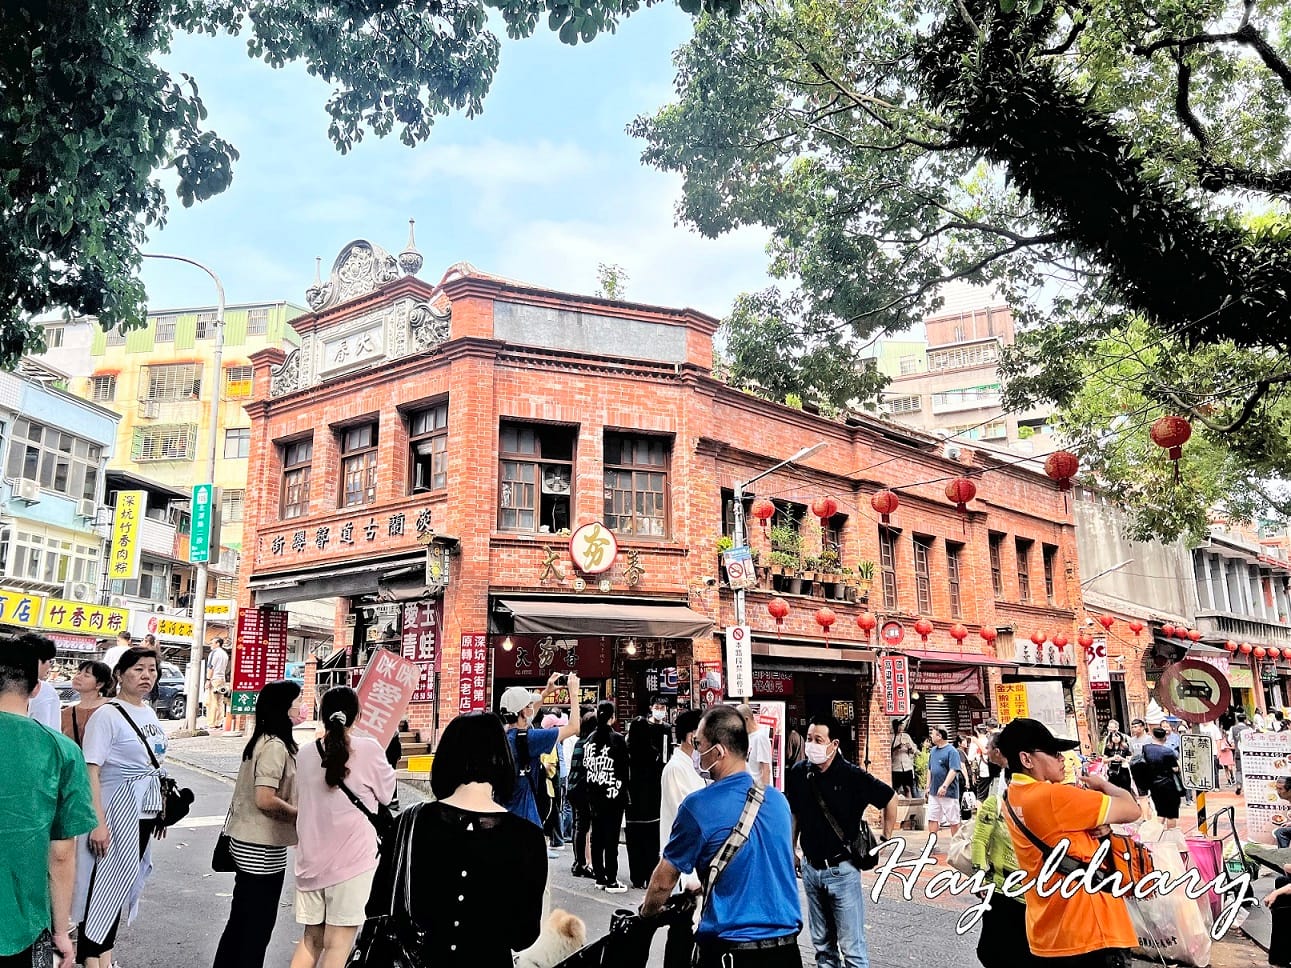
(222, 857)
(862, 847)
(383, 821)
(175, 800)
(394, 940)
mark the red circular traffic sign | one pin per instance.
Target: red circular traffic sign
(892, 633)
(1193, 690)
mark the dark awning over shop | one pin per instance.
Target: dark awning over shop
(957, 658)
(370, 576)
(533, 617)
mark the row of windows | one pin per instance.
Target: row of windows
(1024, 552)
(911, 404)
(59, 461)
(43, 558)
(174, 381)
(165, 326)
(961, 356)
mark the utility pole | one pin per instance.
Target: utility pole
(193, 681)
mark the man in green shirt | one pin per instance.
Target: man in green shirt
(45, 803)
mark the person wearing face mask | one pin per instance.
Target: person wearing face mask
(680, 779)
(660, 728)
(826, 792)
(261, 826)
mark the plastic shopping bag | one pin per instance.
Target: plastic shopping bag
(1206, 857)
(1172, 927)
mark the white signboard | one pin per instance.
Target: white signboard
(740, 571)
(1265, 758)
(739, 661)
(1027, 652)
(1046, 703)
(352, 348)
(1197, 761)
(1100, 679)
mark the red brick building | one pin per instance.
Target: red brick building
(484, 418)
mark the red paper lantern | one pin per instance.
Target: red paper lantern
(825, 617)
(867, 623)
(1244, 648)
(1275, 653)
(824, 508)
(1106, 621)
(1039, 637)
(1230, 646)
(1085, 640)
(1136, 626)
(778, 608)
(1061, 466)
(763, 510)
(1170, 433)
(958, 633)
(924, 628)
(1260, 652)
(1194, 635)
(988, 634)
(1060, 640)
(959, 492)
(1167, 630)
(885, 503)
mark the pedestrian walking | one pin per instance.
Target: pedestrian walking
(113, 654)
(529, 797)
(903, 754)
(828, 797)
(1240, 728)
(579, 801)
(759, 745)
(944, 774)
(605, 762)
(93, 684)
(980, 763)
(751, 916)
(480, 870)
(1165, 785)
(1117, 753)
(261, 826)
(217, 685)
(124, 748)
(1088, 929)
(47, 805)
(556, 828)
(679, 780)
(336, 854)
(645, 772)
(1003, 941)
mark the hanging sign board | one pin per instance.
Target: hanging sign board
(386, 689)
(1100, 677)
(1011, 702)
(1197, 761)
(739, 661)
(740, 572)
(896, 685)
(1266, 757)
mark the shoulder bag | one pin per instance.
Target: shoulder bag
(394, 940)
(175, 800)
(861, 848)
(1125, 856)
(383, 820)
(735, 840)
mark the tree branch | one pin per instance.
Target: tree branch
(1066, 44)
(1248, 408)
(1218, 178)
(1182, 106)
(1246, 35)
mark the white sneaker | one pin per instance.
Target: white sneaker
(615, 888)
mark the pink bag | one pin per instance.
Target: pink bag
(1206, 856)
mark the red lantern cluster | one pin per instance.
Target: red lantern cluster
(1061, 466)
(763, 510)
(824, 508)
(924, 628)
(825, 617)
(778, 608)
(1106, 621)
(959, 492)
(1260, 652)
(1170, 433)
(1244, 648)
(885, 503)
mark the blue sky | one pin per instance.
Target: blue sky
(541, 187)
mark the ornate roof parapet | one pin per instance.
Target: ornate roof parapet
(361, 268)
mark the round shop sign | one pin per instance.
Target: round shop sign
(892, 633)
(1193, 690)
(593, 548)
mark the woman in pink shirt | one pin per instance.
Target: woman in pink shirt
(336, 856)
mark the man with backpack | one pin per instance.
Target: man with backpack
(530, 799)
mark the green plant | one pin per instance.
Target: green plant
(793, 400)
(811, 563)
(782, 559)
(756, 554)
(830, 561)
(847, 572)
(785, 537)
(865, 570)
(725, 543)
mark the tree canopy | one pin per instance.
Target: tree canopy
(1116, 170)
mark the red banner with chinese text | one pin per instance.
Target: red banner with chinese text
(538, 656)
(260, 651)
(386, 689)
(419, 642)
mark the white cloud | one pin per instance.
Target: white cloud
(499, 165)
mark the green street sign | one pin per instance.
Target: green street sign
(204, 520)
(243, 704)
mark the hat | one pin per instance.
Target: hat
(1031, 736)
(516, 698)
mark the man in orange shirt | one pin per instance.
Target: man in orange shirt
(1086, 930)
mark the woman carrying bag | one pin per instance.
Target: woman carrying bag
(93, 683)
(261, 826)
(336, 854)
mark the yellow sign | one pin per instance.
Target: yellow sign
(19, 609)
(61, 616)
(1011, 701)
(1239, 677)
(123, 560)
(221, 608)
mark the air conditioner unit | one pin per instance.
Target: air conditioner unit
(86, 507)
(149, 409)
(79, 591)
(28, 492)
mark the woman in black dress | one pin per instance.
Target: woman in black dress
(1117, 753)
(644, 793)
(480, 871)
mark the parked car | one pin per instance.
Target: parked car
(296, 673)
(172, 699)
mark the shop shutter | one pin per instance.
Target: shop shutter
(942, 711)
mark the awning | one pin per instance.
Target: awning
(346, 579)
(956, 658)
(545, 617)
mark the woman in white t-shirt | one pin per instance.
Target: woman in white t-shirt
(124, 745)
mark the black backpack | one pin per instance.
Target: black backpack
(537, 779)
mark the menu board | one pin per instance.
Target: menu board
(419, 642)
(259, 655)
(472, 695)
(1265, 758)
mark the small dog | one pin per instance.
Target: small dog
(562, 936)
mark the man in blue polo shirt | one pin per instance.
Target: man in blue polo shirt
(752, 917)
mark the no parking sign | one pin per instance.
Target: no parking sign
(739, 661)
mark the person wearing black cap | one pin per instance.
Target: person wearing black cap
(1085, 930)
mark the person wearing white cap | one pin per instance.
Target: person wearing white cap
(528, 744)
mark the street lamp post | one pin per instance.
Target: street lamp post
(203, 567)
(739, 538)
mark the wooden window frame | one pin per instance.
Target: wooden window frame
(887, 567)
(954, 578)
(628, 524)
(542, 481)
(297, 469)
(1049, 558)
(1022, 548)
(995, 543)
(923, 573)
(437, 440)
(359, 461)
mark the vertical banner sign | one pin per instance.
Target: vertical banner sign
(739, 661)
(896, 685)
(419, 641)
(771, 716)
(386, 689)
(1197, 761)
(1100, 679)
(710, 683)
(275, 645)
(130, 509)
(249, 661)
(205, 530)
(1266, 757)
(473, 674)
(1011, 702)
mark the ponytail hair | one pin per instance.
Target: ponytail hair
(338, 711)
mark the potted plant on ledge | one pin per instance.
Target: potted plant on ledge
(864, 579)
(786, 554)
(828, 575)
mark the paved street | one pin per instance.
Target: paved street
(185, 907)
